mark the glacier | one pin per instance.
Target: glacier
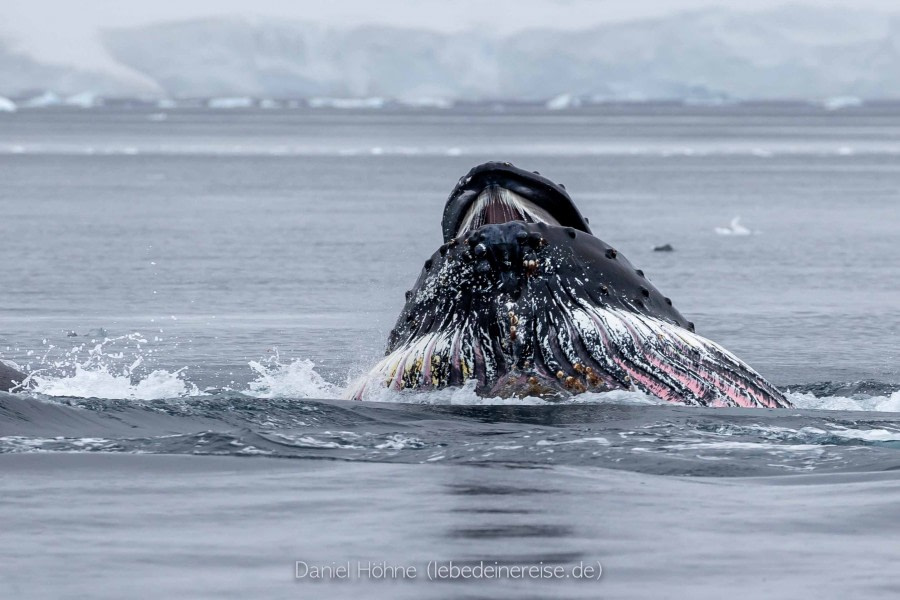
(707, 56)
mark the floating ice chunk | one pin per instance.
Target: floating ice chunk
(840, 102)
(427, 102)
(235, 102)
(7, 105)
(44, 100)
(735, 228)
(562, 102)
(84, 100)
(346, 103)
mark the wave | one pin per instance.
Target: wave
(661, 439)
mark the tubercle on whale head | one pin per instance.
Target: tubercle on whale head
(498, 192)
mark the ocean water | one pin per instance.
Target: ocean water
(200, 286)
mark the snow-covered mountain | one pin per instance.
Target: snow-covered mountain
(792, 52)
(21, 75)
(290, 59)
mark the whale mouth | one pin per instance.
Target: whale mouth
(496, 205)
(495, 193)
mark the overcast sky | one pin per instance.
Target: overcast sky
(63, 31)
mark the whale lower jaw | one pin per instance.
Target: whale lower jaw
(577, 349)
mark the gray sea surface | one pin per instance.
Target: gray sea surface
(192, 289)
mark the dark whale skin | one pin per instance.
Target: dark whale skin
(10, 378)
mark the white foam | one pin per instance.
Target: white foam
(732, 445)
(399, 441)
(307, 441)
(867, 435)
(101, 383)
(594, 440)
(297, 379)
(466, 396)
(734, 228)
(872, 403)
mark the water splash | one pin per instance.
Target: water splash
(96, 370)
(296, 379)
(101, 383)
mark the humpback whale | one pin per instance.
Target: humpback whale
(523, 299)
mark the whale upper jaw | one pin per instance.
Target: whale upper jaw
(495, 192)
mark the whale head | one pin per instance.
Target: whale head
(523, 300)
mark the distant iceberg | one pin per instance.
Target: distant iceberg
(268, 103)
(237, 102)
(346, 103)
(426, 102)
(44, 100)
(840, 102)
(7, 105)
(166, 103)
(562, 102)
(84, 100)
